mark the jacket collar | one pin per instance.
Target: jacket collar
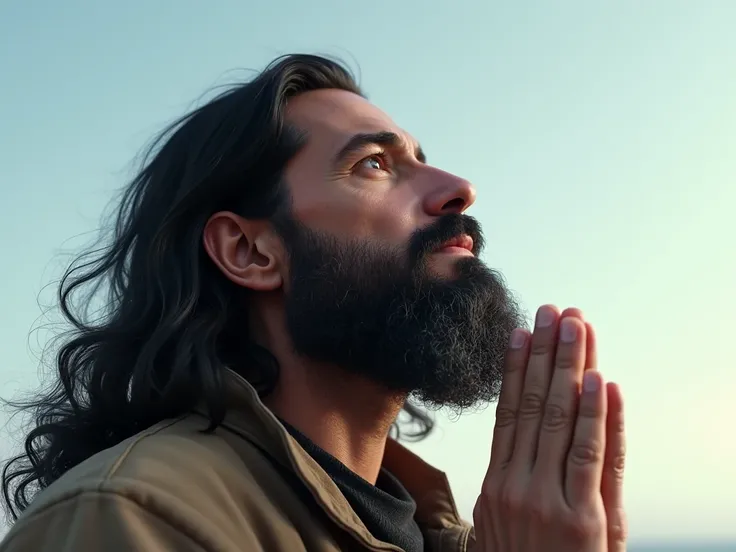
(436, 514)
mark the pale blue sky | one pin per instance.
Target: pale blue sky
(601, 137)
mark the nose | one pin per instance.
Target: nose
(448, 194)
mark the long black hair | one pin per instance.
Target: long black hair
(159, 342)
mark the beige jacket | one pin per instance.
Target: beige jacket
(246, 487)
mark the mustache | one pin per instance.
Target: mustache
(425, 240)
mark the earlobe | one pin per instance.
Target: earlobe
(245, 251)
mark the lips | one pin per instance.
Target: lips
(462, 241)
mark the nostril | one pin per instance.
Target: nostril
(456, 205)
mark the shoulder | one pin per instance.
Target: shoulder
(173, 459)
(174, 475)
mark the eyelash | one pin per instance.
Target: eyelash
(381, 155)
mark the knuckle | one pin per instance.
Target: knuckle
(541, 347)
(532, 404)
(542, 513)
(505, 416)
(585, 453)
(514, 362)
(544, 510)
(566, 361)
(617, 527)
(490, 492)
(581, 528)
(513, 501)
(616, 426)
(617, 466)
(588, 410)
(504, 464)
(556, 418)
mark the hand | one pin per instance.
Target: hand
(554, 483)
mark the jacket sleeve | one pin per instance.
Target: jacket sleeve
(97, 521)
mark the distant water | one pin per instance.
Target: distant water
(688, 547)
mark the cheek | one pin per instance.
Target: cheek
(386, 217)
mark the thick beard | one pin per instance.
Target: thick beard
(377, 312)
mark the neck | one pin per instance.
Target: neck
(345, 416)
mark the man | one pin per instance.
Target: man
(286, 270)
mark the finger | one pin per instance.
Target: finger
(585, 457)
(591, 357)
(591, 348)
(573, 312)
(561, 407)
(613, 470)
(508, 403)
(536, 384)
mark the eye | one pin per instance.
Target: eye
(375, 162)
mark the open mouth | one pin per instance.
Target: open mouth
(459, 245)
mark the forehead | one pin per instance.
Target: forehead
(331, 116)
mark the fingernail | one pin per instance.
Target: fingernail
(591, 381)
(545, 317)
(518, 338)
(568, 330)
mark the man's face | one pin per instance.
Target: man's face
(384, 277)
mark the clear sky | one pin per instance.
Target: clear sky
(601, 137)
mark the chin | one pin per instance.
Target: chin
(445, 267)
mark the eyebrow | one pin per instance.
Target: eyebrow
(384, 138)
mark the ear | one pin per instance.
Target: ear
(246, 251)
